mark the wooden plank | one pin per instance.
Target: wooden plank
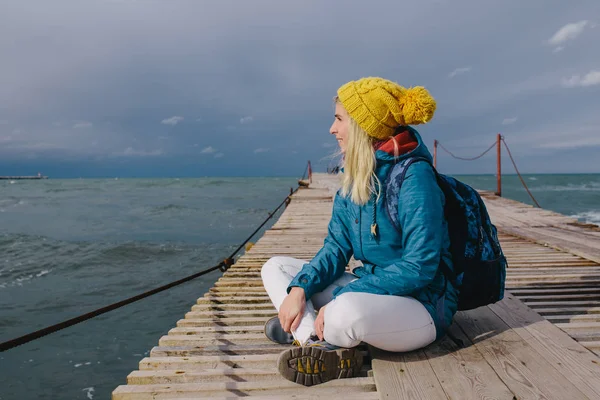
(552, 304)
(523, 369)
(553, 291)
(204, 321)
(566, 310)
(239, 389)
(405, 376)
(212, 339)
(463, 372)
(199, 328)
(231, 314)
(240, 349)
(570, 318)
(281, 396)
(200, 362)
(230, 307)
(570, 358)
(590, 253)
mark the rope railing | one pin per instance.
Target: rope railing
(497, 144)
(465, 158)
(518, 173)
(222, 266)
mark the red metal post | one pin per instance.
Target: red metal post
(435, 153)
(499, 165)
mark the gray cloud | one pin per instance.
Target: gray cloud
(459, 71)
(208, 150)
(590, 79)
(172, 121)
(130, 151)
(281, 63)
(568, 32)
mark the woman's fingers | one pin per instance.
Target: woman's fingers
(320, 323)
(285, 324)
(292, 311)
(283, 320)
(296, 322)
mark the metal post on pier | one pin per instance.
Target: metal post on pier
(499, 165)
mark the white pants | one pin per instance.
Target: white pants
(391, 323)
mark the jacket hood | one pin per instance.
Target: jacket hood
(408, 141)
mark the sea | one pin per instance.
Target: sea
(70, 246)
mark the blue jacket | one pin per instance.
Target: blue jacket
(394, 263)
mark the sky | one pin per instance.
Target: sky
(244, 87)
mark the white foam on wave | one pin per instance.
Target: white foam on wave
(583, 187)
(22, 279)
(592, 217)
(89, 392)
(81, 364)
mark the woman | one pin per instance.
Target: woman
(398, 300)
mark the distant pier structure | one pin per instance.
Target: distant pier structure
(38, 176)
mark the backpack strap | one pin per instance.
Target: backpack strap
(397, 175)
(394, 184)
(401, 168)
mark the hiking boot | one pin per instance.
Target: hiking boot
(275, 332)
(318, 362)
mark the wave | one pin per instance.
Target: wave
(167, 208)
(75, 189)
(10, 201)
(23, 278)
(138, 251)
(28, 258)
(583, 187)
(592, 217)
(157, 183)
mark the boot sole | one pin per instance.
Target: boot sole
(310, 366)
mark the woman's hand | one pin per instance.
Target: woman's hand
(292, 309)
(320, 323)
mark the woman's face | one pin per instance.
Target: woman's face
(340, 125)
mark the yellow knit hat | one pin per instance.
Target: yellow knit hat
(379, 105)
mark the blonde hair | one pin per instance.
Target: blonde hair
(359, 181)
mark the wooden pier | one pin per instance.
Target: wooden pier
(542, 341)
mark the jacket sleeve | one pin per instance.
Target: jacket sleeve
(421, 217)
(331, 260)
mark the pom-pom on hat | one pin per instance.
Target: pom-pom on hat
(379, 106)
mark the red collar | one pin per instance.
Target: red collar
(404, 142)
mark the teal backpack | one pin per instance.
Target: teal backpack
(479, 263)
